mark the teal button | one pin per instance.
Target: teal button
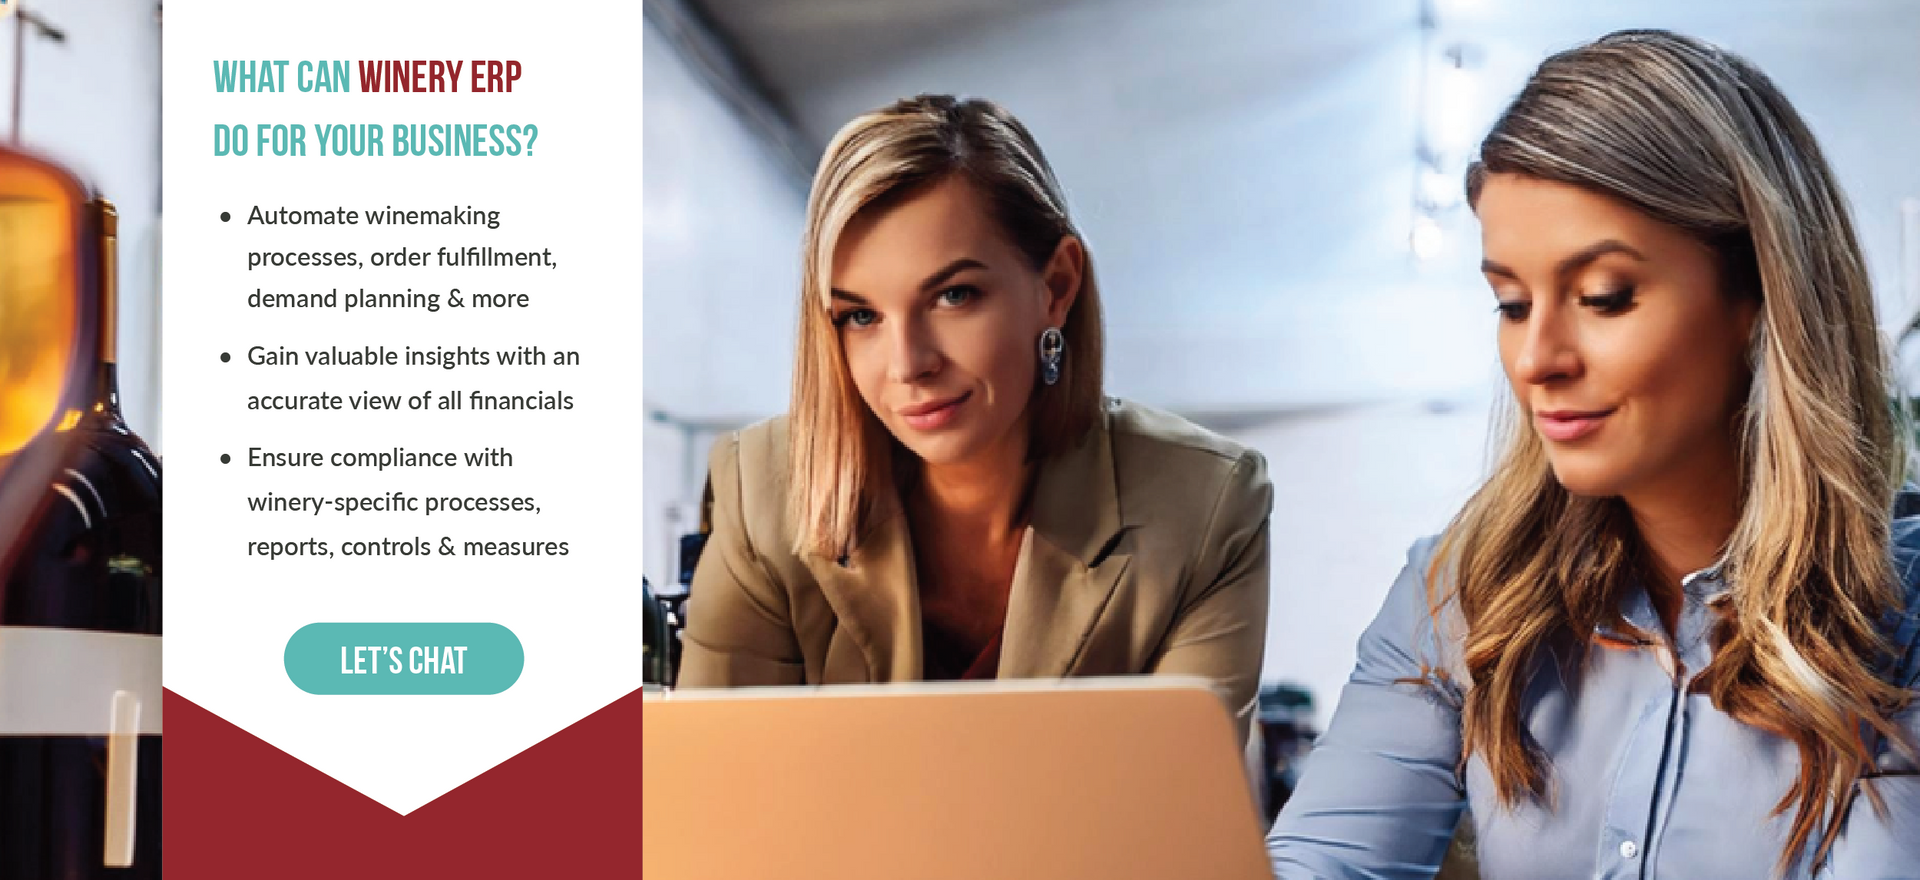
(404, 658)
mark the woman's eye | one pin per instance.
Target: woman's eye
(1611, 302)
(1513, 310)
(959, 295)
(856, 317)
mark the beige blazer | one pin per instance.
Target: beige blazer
(1146, 553)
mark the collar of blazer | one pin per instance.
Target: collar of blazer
(1065, 575)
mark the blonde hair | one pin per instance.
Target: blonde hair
(842, 458)
(1700, 139)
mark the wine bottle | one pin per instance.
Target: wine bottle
(85, 585)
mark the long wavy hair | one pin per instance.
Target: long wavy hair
(1700, 139)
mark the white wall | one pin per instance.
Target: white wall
(722, 219)
(92, 103)
(1352, 490)
(1246, 199)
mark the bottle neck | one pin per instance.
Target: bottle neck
(107, 218)
(106, 383)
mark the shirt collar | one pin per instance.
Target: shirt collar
(1708, 584)
(1704, 587)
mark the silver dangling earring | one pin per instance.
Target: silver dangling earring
(1053, 347)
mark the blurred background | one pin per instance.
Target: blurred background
(80, 85)
(1272, 196)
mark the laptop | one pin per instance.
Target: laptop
(1082, 779)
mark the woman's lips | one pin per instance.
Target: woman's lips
(1565, 426)
(933, 415)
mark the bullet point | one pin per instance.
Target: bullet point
(224, 357)
(224, 216)
(224, 458)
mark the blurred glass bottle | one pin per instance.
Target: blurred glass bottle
(87, 574)
(93, 563)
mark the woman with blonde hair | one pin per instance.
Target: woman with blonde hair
(951, 496)
(1673, 635)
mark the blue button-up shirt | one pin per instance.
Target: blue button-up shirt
(1647, 779)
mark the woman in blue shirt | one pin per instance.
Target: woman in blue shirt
(1670, 637)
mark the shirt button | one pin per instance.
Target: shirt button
(1629, 849)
